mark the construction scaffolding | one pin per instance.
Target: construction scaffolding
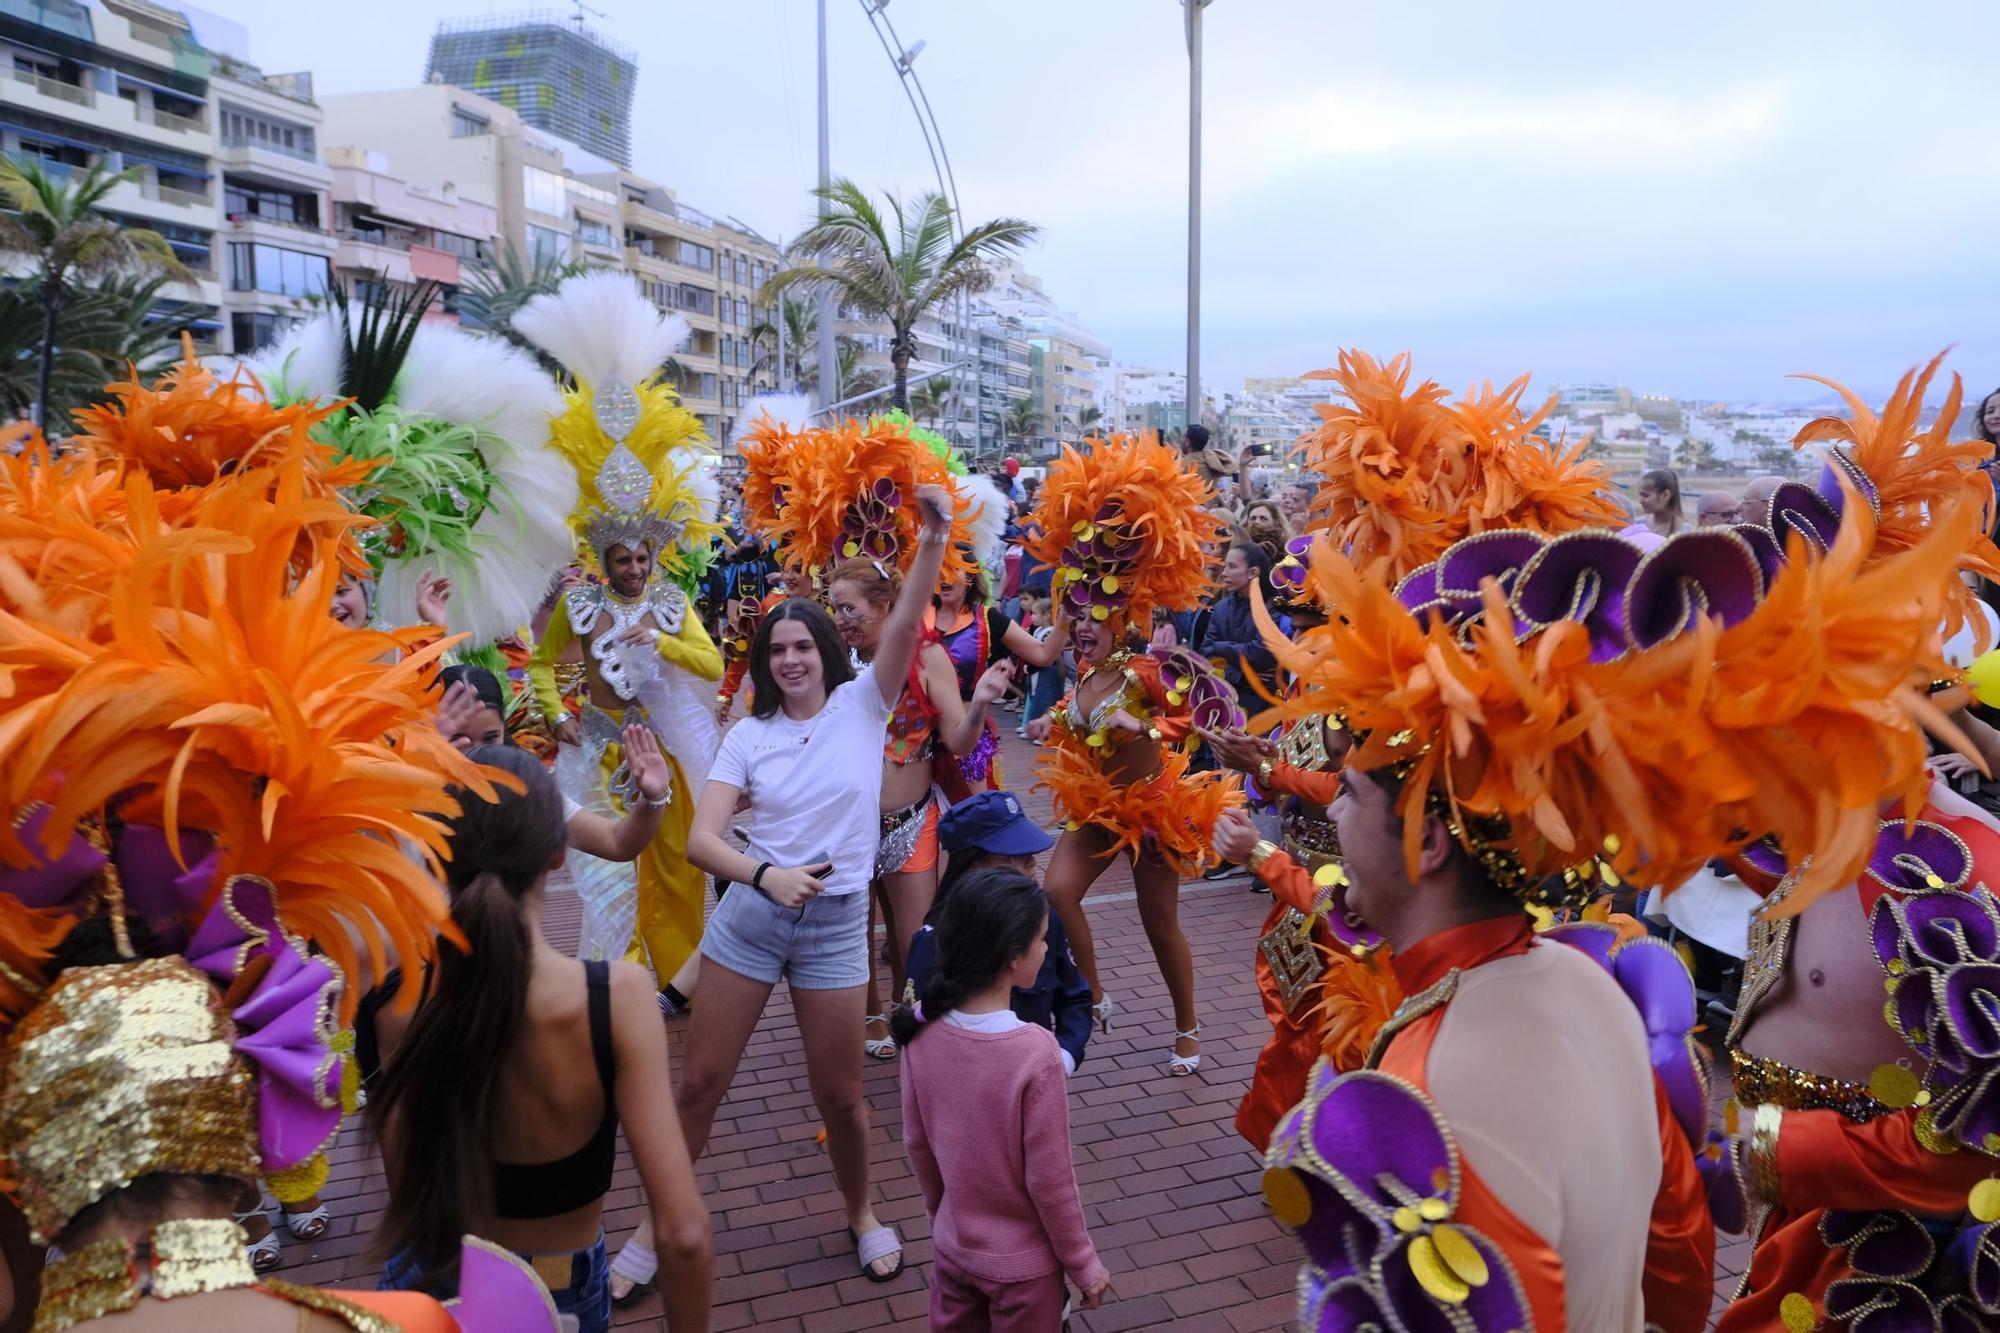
(558, 74)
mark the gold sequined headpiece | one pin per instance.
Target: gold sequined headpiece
(123, 1071)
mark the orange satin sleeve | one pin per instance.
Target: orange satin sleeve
(1679, 1284)
(1827, 1161)
(1535, 1261)
(1288, 881)
(1312, 786)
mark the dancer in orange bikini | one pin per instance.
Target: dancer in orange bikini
(1125, 528)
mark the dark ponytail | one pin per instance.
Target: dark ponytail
(436, 1106)
(990, 919)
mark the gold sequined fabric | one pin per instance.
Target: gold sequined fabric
(1770, 1081)
(182, 1258)
(123, 1071)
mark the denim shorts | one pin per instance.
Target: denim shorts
(588, 1295)
(821, 946)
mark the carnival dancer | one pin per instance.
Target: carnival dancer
(1125, 527)
(977, 637)
(1535, 718)
(1867, 1134)
(1426, 464)
(646, 518)
(215, 793)
(928, 718)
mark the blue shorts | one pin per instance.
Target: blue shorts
(821, 946)
(587, 1295)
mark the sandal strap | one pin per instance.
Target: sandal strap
(1192, 1034)
(635, 1263)
(874, 1246)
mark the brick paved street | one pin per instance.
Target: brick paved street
(1170, 1191)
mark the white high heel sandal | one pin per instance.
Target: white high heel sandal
(1180, 1066)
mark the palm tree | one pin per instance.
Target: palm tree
(54, 225)
(896, 266)
(855, 378)
(1088, 418)
(496, 291)
(1023, 422)
(801, 324)
(927, 400)
(103, 334)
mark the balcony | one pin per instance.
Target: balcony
(72, 93)
(292, 235)
(167, 120)
(273, 162)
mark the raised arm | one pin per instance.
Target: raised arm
(898, 643)
(959, 722)
(1038, 653)
(623, 839)
(549, 646)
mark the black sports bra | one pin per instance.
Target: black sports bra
(534, 1189)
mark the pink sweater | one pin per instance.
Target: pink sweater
(986, 1122)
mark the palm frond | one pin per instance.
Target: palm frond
(378, 336)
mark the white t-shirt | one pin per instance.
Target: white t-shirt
(815, 786)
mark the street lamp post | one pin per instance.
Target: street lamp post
(1194, 8)
(829, 388)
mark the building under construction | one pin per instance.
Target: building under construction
(559, 75)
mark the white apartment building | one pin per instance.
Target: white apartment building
(225, 158)
(395, 234)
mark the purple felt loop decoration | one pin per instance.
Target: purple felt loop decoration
(1211, 700)
(1766, 857)
(1890, 1256)
(1907, 859)
(1288, 576)
(1974, 1254)
(1837, 464)
(1463, 570)
(1769, 554)
(870, 525)
(1708, 572)
(499, 1293)
(284, 1026)
(1581, 577)
(1722, 1185)
(1418, 592)
(1941, 949)
(49, 881)
(1797, 507)
(1654, 979)
(156, 887)
(1369, 1174)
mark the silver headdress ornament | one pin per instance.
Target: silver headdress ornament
(623, 482)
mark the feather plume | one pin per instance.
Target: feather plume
(602, 328)
(986, 519)
(790, 412)
(1141, 496)
(1798, 720)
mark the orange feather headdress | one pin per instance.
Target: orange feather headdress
(823, 494)
(1574, 699)
(1406, 473)
(1125, 527)
(1908, 473)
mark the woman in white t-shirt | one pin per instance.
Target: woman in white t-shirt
(809, 758)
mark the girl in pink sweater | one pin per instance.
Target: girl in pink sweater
(986, 1121)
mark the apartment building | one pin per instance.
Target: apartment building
(744, 262)
(394, 234)
(276, 218)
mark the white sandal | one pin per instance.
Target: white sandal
(1101, 1012)
(1180, 1066)
(639, 1266)
(263, 1252)
(882, 1048)
(308, 1225)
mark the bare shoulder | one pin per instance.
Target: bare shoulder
(631, 984)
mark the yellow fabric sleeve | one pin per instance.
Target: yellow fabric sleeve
(556, 638)
(691, 650)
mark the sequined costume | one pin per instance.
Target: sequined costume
(1575, 713)
(213, 791)
(909, 835)
(644, 484)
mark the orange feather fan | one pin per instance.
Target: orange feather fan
(1914, 471)
(809, 493)
(226, 699)
(1798, 721)
(1157, 501)
(1172, 813)
(1406, 474)
(1357, 997)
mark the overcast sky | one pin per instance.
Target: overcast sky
(1693, 198)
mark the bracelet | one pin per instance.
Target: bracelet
(1262, 852)
(1763, 1156)
(1264, 775)
(660, 804)
(757, 876)
(929, 538)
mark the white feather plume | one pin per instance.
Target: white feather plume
(790, 411)
(987, 519)
(304, 364)
(601, 327)
(473, 380)
(702, 482)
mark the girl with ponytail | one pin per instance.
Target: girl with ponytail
(487, 1124)
(986, 1120)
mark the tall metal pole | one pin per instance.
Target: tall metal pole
(1194, 8)
(829, 373)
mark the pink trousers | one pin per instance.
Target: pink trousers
(962, 1303)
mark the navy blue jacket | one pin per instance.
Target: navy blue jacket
(1058, 1001)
